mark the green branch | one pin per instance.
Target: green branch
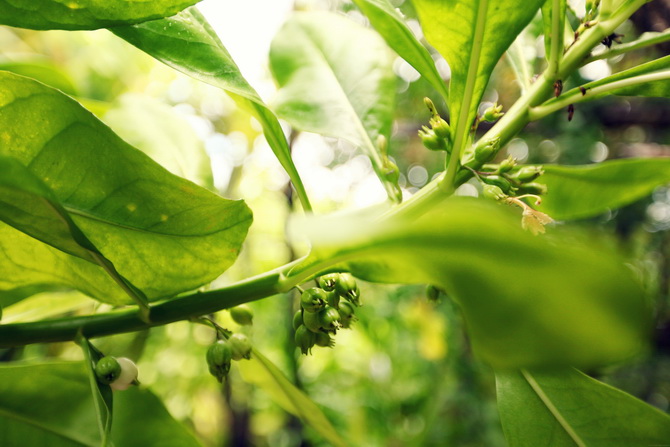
(645, 40)
(556, 49)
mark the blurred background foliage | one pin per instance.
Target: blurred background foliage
(404, 375)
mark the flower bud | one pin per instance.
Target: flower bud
(431, 141)
(493, 113)
(440, 127)
(242, 315)
(128, 375)
(528, 173)
(493, 192)
(507, 165)
(219, 357)
(240, 346)
(304, 339)
(488, 150)
(498, 181)
(533, 188)
(297, 320)
(313, 300)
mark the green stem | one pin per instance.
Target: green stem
(556, 48)
(645, 40)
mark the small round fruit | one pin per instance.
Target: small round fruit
(313, 300)
(333, 300)
(219, 356)
(323, 339)
(327, 282)
(107, 370)
(297, 320)
(347, 288)
(329, 318)
(347, 316)
(240, 346)
(311, 321)
(242, 315)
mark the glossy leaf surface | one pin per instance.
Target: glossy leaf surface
(164, 234)
(51, 404)
(567, 409)
(472, 35)
(510, 284)
(576, 192)
(261, 372)
(85, 14)
(187, 43)
(336, 79)
(390, 24)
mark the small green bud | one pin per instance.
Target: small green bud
(498, 181)
(304, 339)
(391, 171)
(327, 282)
(219, 357)
(488, 150)
(493, 113)
(493, 192)
(507, 165)
(533, 188)
(128, 375)
(297, 320)
(323, 339)
(242, 315)
(240, 346)
(311, 321)
(431, 141)
(440, 127)
(347, 288)
(347, 316)
(528, 173)
(313, 300)
(329, 319)
(107, 370)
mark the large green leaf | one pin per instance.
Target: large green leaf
(557, 299)
(50, 404)
(164, 234)
(584, 191)
(261, 372)
(336, 79)
(472, 35)
(158, 131)
(28, 205)
(187, 43)
(85, 14)
(388, 21)
(568, 409)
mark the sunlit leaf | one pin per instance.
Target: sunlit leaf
(44, 305)
(85, 14)
(263, 373)
(336, 79)
(389, 22)
(50, 404)
(568, 408)
(472, 35)
(164, 234)
(186, 42)
(158, 131)
(584, 191)
(519, 307)
(43, 71)
(102, 393)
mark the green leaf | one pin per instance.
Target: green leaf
(472, 35)
(102, 394)
(158, 131)
(263, 373)
(43, 71)
(187, 43)
(576, 192)
(511, 285)
(43, 305)
(568, 408)
(390, 24)
(85, 14)
(660, 88)
(50, 404)
(164, 234)
(554, 24)
(336, 79)
(645, 40)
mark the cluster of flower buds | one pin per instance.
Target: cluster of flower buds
(221, 354)
(118, 373)
(437, 137)
(324, 310)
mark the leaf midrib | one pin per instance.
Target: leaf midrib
(555, 412)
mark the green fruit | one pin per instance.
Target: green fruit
(327, 282)
(329, 319)
(347, 310)
(528, 173)
(219, 356)
(533, 188)
(323, 339)
(304, 339)
(240, 346)
(347, 288)
(507, 165)
(498, 181)
(311, 321)
(297, 320)
(493, 192)
(313, 300)
(107, 370)
(242, 315)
